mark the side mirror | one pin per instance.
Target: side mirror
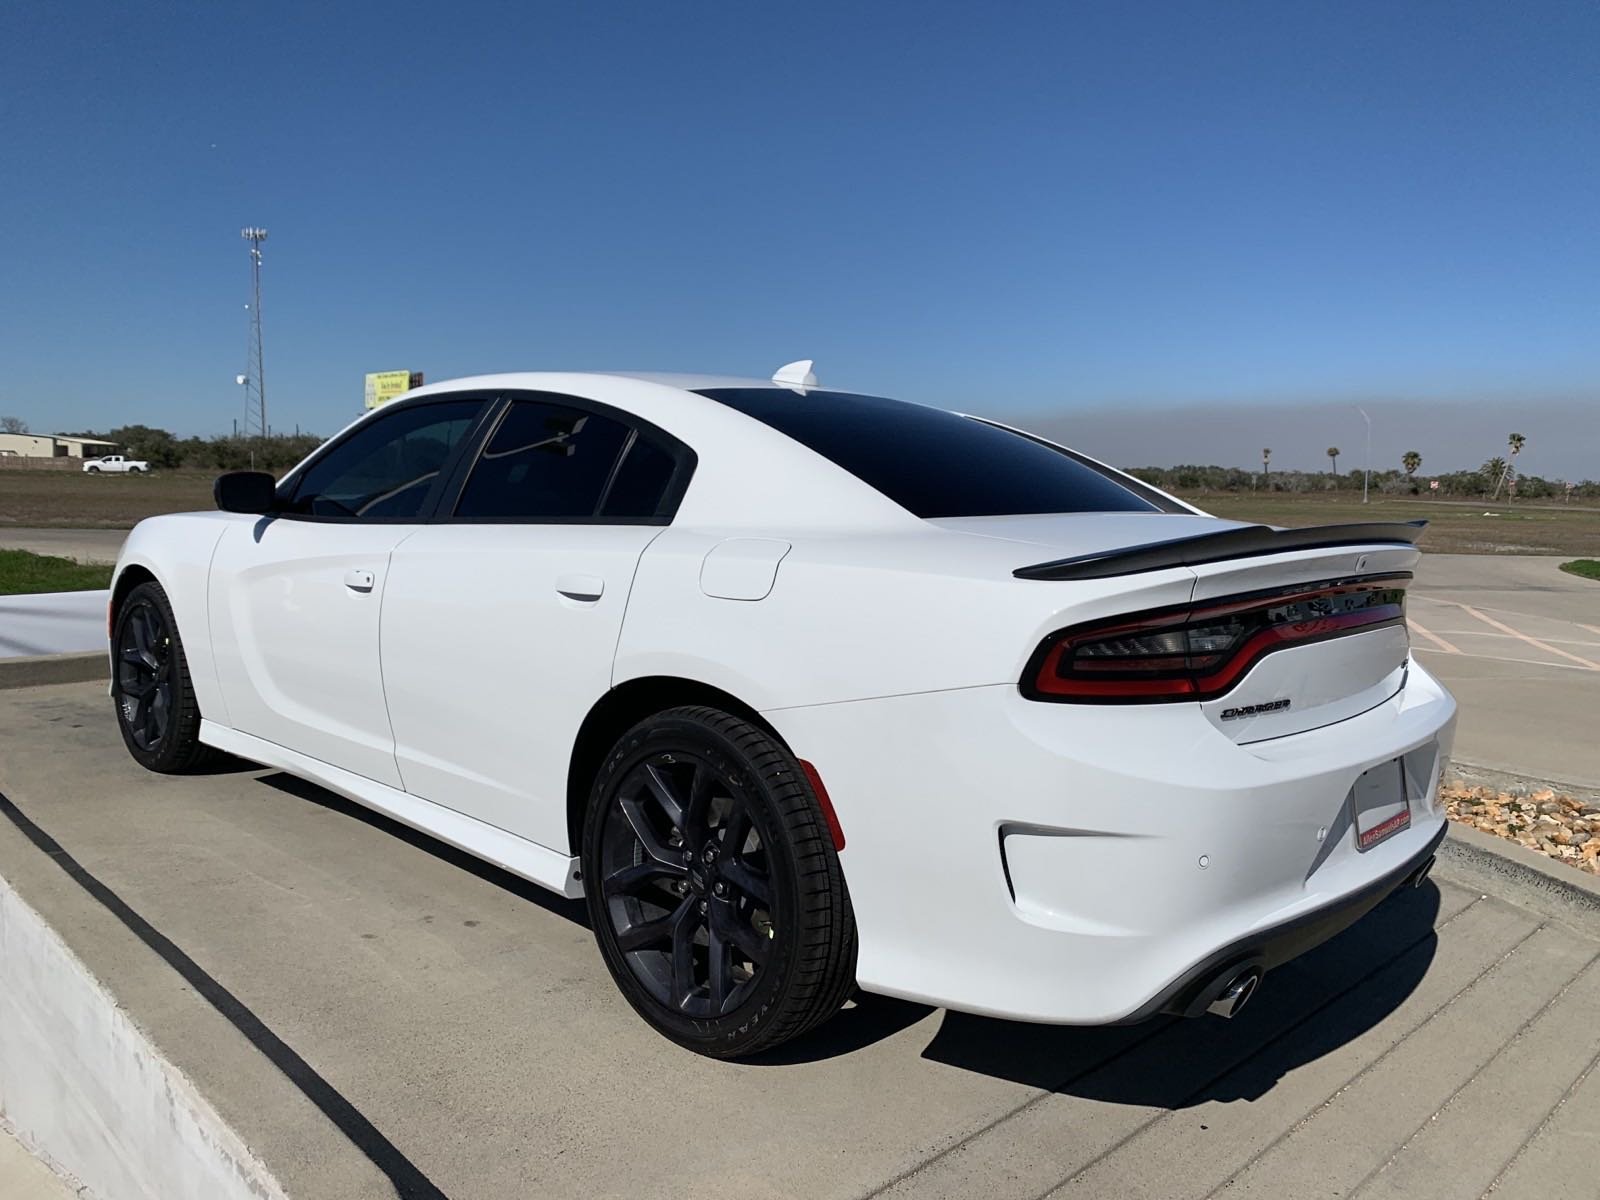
(245, 492)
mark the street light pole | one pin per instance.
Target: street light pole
(1366, 480)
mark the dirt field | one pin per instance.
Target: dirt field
(1454, 527)
(69, 499)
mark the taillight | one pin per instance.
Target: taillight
(1200, 652)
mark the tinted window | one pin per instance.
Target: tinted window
(639, 487)
(543, 461)
(932, 462)
(387, 467)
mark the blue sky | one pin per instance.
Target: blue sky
(1007, 207)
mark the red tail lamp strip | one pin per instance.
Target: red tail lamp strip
(1201, 652)
(835, 830)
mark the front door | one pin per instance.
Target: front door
(294, 617)
(295, 598)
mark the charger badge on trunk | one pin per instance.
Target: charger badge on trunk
(1255, 710)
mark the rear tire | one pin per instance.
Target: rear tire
(713, 886)
(156, 707)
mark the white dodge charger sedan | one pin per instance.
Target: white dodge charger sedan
(805, 690)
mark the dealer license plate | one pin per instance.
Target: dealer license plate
(1380, 805)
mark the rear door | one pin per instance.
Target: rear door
(501, 621)
(295, 598)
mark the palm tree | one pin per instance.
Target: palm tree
(1494, 469)
(1515, 443)
(1411, 461)
(1333, 458)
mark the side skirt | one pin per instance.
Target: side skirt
(537, 864)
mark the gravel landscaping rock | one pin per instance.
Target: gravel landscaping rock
(1565, 828)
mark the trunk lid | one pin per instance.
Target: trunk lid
(1292, 689)
(1322, 682)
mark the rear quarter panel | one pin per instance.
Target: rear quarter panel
(855, 616)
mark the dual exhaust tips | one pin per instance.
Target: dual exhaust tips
(1234, 987)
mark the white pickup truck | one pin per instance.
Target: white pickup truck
(115, 462)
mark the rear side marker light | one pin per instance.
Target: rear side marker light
(1199, 652)
(835, 830)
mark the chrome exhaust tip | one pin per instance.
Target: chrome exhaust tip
(1236, 993)
(1420, 875)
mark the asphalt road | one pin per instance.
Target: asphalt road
(84, 545)
(457, 1035)
(1518, 642)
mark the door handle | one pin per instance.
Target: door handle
(357, 580)
(586, 589)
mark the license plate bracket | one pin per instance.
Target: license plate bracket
(1379, 804)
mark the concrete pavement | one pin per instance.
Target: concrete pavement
(1518, 642)
(378, 1015)
(24, 1177)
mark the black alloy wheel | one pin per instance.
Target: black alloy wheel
(714, 887)
(156, 707)
(144, 675)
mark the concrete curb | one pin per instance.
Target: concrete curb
(1502, 780)
(1485, 854)
(39, 670)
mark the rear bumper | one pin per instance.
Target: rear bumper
(1187, 995)
(1077, 864)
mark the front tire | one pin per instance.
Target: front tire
(156, 707)
(94, 470)
(713, 886)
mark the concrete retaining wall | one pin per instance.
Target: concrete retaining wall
(53, 623)
(86, 1091)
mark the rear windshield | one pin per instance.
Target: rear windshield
(935, 463)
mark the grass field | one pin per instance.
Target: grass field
(1454, 527)
(1587, 568)
(71, 499)
(25, 574)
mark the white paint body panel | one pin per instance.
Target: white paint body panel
(297, 647)
(447, 692)
(485, 724)
(742, 568)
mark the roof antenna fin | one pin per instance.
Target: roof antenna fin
(796, 375)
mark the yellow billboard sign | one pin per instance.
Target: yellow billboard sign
(384, 386)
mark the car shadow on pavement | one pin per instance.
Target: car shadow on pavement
(572, 910)
(1305, 1009)
(221, 763)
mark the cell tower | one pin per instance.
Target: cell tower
(254, 378)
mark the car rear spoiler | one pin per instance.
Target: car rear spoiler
(1250, 541)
